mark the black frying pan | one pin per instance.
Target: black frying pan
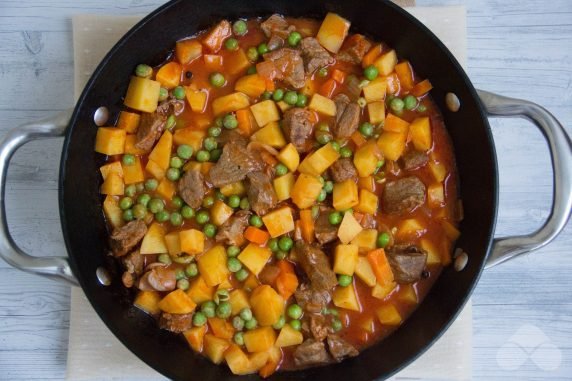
(149, 41)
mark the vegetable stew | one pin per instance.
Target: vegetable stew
(281, 192)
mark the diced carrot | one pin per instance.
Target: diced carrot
(286, 284)
(270, 86)
(371, 56)
(214, 39)
(268, 369)
(327, 89)
(380, 266)
(338, 75)
(170, 75)
(255, 235)
(245, 121)
(392, 83)
(405, 75)
(307, 225)
(421, 88)
(213, 62)
(358, 139)
(285, 266)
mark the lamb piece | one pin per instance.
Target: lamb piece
(347, 117)
(171, 106)
(323, 230)
(316, 265)
(407, 262)
(150, 127)
(287, 66)
(133, 264)
(403, 195)
(275, 42)
(414, 159)
(269, 274)
(343, 169)
(314, 55)
(176, 322)
(320, 327)
(276, 25)
(312, 300)
(192, 188)
(339, 348)
(232, 231)
(233, 165)
(159, 278)
(297, 126)
(125, 238)
(233, 136)
(311, 352)
(368, 221)
(261, 194)
(354, 49)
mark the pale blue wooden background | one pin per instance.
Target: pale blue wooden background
(522, 309)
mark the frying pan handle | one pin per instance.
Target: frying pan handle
(51, 267)
(560, 148)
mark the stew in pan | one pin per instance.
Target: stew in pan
(281, 192)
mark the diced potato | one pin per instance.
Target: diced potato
(214, 348)
(421, 137)
(148, 301)
(270, 134)
(254, 257)
(113, 212)
(130, 141)
(367, 183)
(192, 241)
(173, 243)
(407, 294)
(237, 61)
(438, 170)
(129, 121)
(283, 106)
(306, 190)
(169, 75)
(279, 221)
(259, 360)
(197, 99)
(382, 291)
(410, 228)
(265, 112)
(237, 361)
(142, 94)
(161, 153)
(252, 85)
(366, 159)
(392, 144)
(199, 291)
(333, 32)
(435, 195)
(203, 168)
(155, 170)
(237, 188)
(290, 157)
(289, 336)
(214, 39)
(259, 339)
(367, 202)
(238, 300)
(367, 325)
(345, 195)
(113, 185)
(271, 365)
(190, 136)
(323, 105)
(114, 167)
(283, 186)
(230, 103)
(220, 212)
(375, 90)
(188, 50)
(364, 271)
(366, 239)
(110, 140)
(376, 112)
(195, 337)
(267, 305)
(349, 228)
(221, 328)
(133, 173)
(177, 302)
(345, 259)
(345, 297)
(388, 315)
(212, 266)
(450, 230)
(154, 240)
(166, 189)
(386, 63)
(433, 253)
(251, 282)
(318, 162)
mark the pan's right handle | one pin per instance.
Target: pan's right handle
(52, 267)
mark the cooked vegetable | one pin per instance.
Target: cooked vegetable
(333, 32)
(142, 94)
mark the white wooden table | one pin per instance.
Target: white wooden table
(522, 309)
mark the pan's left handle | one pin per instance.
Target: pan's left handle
(52, 267)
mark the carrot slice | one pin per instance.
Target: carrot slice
(307, 225)
(421, 88)
(370, 56)
(338, 75)
(380, 266)
(255, 235)
(327, 89)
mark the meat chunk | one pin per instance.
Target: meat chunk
(261, 194)
(232, 231)
(287, 66)
(339, 348)
(347, 117)
(233, 165)
(159, 278)
(314, 55)
(312, 300)
(323, 230)
(276, 25)
(171, 106)
(403, 195)
(354, 49)
(407, 262)
(343, 169)
(298, 128)
(192, 188)
(176, 322)
(311, 352)
(414, 159)
(269, 274)
(275, 42)
(125, 238)
(149, 131)
(133, 264)
(320, 327)
(316, 265)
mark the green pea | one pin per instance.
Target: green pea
(251, 70)
(281, 254)
(323, 137)
(171, 121)
(180, 274)
(296, 324)
(370, 72)
(179, 92)
(255, 221)
(294, 311)
(125, 203)
(323, 72)
(322, 196)
(165, 259)
(130, 190)
(203, 217)
(285, 243)
(143, 71)
(244, 204)
(199, 319)
(215, 154)
(266, 95)
(246, 314)
(278, 95)
(273, 244)
(294, 38)
(214, 131)
(177, 202)
(203, 156)
(240, 28)
(128, 215)
(335, 218)
(163, 94)
(219, 195)
(151, 184)
(128, 159)
(281, 169)
(302, 100)
(192, 270)
(345, 280)
(144, 199)
(221, 295)
(238, 338)
(139, 211)
(208, 201)
(336, 146)
(366, 129)
(234, 201)
(421, 108)
(209, 230)
(383, 240)
(280, 323)
(176, 162)
(346, 152)
(223, 310)
(230, 122)
(232, 251)
(184, 151)
(316, 209)
(238, 323)
(208, 308)
(329, 186)
(217, 79)
(291, 97)
(162, 216)
(173, 174)
(139, 187)
(176, 219)
(241, 275)
(155, 205)
(231, 43)
(409, 102)
(251, 324)
(252, 54)
(187, 212)
(233, 265)
(396, 105)
(337, 325)
(263, 48)
(183, 284)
